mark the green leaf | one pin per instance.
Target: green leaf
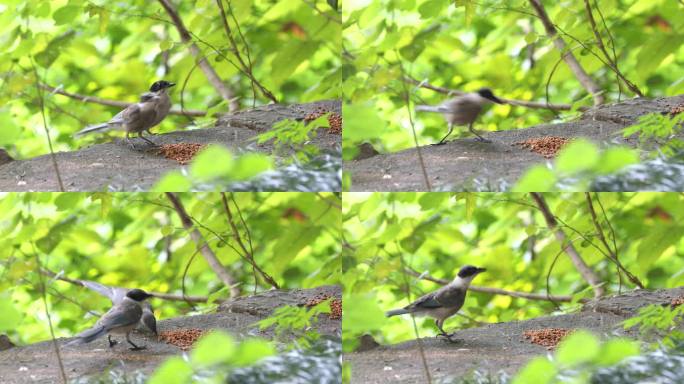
(251, 351)
(577, 156)
(615, 158)
(656, 243)
(615, 350)
(173, 371)
(251, 164)
(579, 347)
(173, 181)
(361, 314)
(213, 348)
(10, 131)
(66, 14)
(11, 317)
(212, 163)
(536, 179)
(538, 371)
(65, 201)
(361, 122)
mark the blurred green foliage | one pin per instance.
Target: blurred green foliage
(115, 50)
(437, 233)
(136, 240)
(468, 44)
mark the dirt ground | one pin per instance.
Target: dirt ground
(494, 347)
(455, 164)
(36, 363)
(115, 166)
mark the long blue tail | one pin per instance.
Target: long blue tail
(395, 312)
(88, 335)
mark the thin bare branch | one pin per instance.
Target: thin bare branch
(495, 291)
(520, 103)
(247, 255)
(587, 82)
(587, 273)
(209, 72)
(207, 252)
(110, 102)
(41, 99)
(49, 318)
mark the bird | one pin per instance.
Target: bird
(122, 318)
(141, 116)
(463, 109)
(444, 302)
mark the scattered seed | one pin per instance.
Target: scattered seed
(183, 153)
(334, 119)
(547, 337)
(547, 146)
(182, 338)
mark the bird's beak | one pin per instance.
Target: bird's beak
(496, 100)
(171, 85)
(480, 270)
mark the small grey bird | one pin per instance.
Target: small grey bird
(141, 116)
(122, 318)
(444, 302)
(463, 110)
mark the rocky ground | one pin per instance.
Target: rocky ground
(118, 167)
(457, 163)
(37, 363)
(495, 347)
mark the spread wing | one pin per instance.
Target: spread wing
(427, 301)
(120, 316)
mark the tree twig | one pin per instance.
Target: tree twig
(41, 99)
(574, 65)
(49, 318)
(612, 253)
(247, 255)
(495, 291)
(206, 252)
(612, 62)
(244, 67)
(110, 102)
(209, 72)
(159, 295)
(587, 273)
(520, 103)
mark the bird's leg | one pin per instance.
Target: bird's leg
(128, 140)
(150, 132)
(135, 347)
(111, 342)
(447, 336)
(140, 135)
(479, 138)
(451, 128)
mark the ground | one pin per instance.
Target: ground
(455, 164)
(36, 363)
(116, 166)
(495, 347)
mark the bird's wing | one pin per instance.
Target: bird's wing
(451, 296)
(120, 315)
(426, 301)
(131, 113)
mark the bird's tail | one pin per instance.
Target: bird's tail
(88, 336)
(430, 108)
(93, 128)
(396, 312)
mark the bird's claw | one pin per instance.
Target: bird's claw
(138, 348)
(448, 337)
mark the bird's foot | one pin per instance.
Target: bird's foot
(449, 337)
(136, 348)
(482, 139)
(112, 343)
(440, 143)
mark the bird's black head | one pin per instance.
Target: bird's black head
(137, 294)
(161, 84)
(469, 270)
(487, 94)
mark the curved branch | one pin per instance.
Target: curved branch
(110, 102)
